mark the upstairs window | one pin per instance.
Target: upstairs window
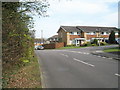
(71, 33)
(107, 33)
(102, 33)
(78, 33)
(88, 33)
(94, 33)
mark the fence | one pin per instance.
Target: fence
(53, 45)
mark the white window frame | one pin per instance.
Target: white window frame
(116, 33)
(102, 32)
(71, 33)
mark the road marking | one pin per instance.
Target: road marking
(84, 62)
(64, 55)
(99, 51)
(73, 51)
(80, 52)
(110, 58)
(86, 53)
(117, 74)
(103, 57)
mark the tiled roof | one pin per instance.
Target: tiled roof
(37, 40)
(55, 36)
(70, 28)
(87, 29)
(95, 28)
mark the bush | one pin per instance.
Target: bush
(103, 43)
(94, 45)
(87, 44)
(70, 45)
(95, 41)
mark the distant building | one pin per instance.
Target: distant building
(53, 39)
(39, 41)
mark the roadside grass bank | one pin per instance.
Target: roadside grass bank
(116, 49)
(25, 76)
(85, 45)
(70, 47)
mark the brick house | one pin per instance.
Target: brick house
(77, 35)
(53, 39)
(38, 41)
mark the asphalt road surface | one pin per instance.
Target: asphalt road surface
(77, 68)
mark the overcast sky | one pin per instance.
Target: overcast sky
(77, 13)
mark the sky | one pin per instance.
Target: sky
(76, 13)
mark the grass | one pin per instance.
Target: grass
(116, 49)
(70, 47)
(27, 76)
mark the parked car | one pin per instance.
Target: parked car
(39, 48)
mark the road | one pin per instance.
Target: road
(77, 68)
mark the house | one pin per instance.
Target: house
(53, 39)
(38, 41)
(77, 35)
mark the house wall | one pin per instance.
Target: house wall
(74, 36)
(104, 36)
(90, 36)
(97, 35)
(63, 36)
(68, 39)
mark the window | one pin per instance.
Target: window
(56, 39)
(88, 33)
(78, 33)
(71, 33)
(51, 39)
(94, 33)
(116, 33)
(102, 33)
(107, 33)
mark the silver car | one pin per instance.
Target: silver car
(39, 47)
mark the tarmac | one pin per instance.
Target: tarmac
(112, 55)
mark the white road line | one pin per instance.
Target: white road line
(85, 53)
(84, 62)
(64, 55)
(103, 57)
(80, 52)
(117, 74)
(110, 58)
(73, 51)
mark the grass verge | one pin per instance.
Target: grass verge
(116, 49)
(71, 47)
(27, 76)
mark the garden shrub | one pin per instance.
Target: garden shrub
(94, 45)
(103, 43)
